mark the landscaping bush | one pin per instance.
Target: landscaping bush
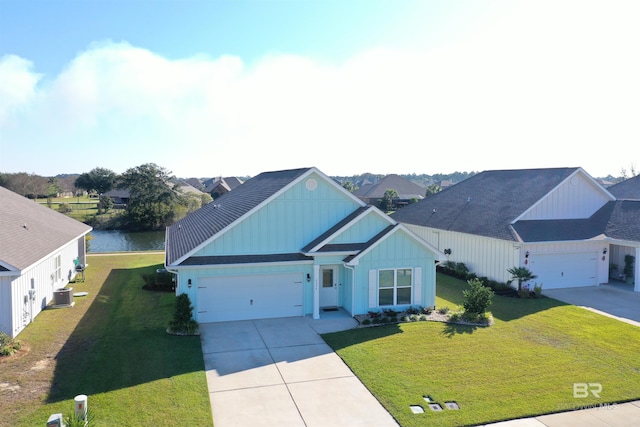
(64, 208)
(8, 345)
(477, 298)
(183, 323)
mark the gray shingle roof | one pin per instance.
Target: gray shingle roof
(624, 221)
(201, 225)
(628, 189)
(29, 231)
(486, 203)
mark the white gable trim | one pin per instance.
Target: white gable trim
(578, 171)
(259, 206)
(439, 256)
(351, 223)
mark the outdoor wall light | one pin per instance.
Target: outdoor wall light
(526, 255)
(189, 283)
(308, 277)
(604, 251)
(447, 251)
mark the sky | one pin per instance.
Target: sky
(235, 88)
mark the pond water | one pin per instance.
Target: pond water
(126, 241)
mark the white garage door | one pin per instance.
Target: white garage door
(565, 270)
(249, 297)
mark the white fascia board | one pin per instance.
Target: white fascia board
(57, 250)
(310, 171)
(337, 232)
(400, 227)
(238, 220)
(336, 185)
(580, 171)
(177, 268)
(619, 242)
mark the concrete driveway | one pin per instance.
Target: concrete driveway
(609, 300)
(280, 372)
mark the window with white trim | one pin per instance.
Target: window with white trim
(394, 286)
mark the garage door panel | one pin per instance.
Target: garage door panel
(249, 297)
(565, 270)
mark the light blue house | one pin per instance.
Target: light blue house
(292, 243)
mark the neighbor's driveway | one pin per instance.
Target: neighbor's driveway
(609, 300)
(280, 372)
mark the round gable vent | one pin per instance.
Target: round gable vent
(311, 184)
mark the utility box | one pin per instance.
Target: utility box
(55, 420)
(63, 297)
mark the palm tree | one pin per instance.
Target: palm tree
(521, 274)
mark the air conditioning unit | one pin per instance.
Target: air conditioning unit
(63, 297)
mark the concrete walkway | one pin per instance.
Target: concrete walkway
(614, 415)
(608, 300)
(280, 372)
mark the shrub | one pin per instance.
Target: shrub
(443, 310)
(366, 322)
(537, 289)
(183, 322)
(477, 298)
(64, 208)
(8, 345)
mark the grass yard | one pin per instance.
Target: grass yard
(525, 364)
(111, 346)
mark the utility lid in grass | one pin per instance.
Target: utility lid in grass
(81, 294)
(417, 409)
(435, 407)
(451, 405)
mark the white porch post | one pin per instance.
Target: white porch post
(316, 291)
(636, 271)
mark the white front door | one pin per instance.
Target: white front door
(329, 286)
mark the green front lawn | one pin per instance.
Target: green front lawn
(525, 364)
(111, 346)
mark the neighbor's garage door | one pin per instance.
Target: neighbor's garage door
(565, 270)
(249, 297)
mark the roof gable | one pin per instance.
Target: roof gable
(627, 190)
(485, 204)
(405, 188)
(194, 234)
(29, 231)
(335, 236)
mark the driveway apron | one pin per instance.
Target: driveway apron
(607, 300)
(280, 372)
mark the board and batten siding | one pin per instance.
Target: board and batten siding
(43, 280)
(398, 251)
(576, 197)
(287, 223)
(483, 256)
(363, 230)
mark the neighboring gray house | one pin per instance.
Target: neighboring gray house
(559, 222)
(39, 250)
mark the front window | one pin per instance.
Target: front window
(394, 286)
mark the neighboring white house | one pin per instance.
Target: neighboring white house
(559, 223)
(39, 249)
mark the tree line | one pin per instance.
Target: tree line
(155, 200)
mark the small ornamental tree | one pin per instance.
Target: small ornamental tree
(183, 323)
(521, 274)
(477, 298)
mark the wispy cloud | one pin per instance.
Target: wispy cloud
(532, 89)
